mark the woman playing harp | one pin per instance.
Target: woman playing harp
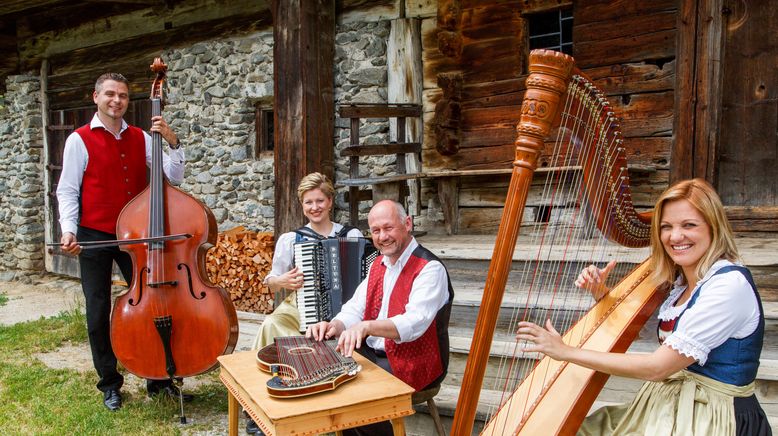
(700, 381)
(587, 185)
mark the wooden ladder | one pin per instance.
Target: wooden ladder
(394, 187)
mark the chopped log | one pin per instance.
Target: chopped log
(238, 263)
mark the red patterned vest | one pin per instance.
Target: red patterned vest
(421, 362)
(114, 175)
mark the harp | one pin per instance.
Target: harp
(591, 174)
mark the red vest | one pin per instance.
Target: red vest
(114, 175)
(417, 363)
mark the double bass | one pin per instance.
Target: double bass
(172, 322)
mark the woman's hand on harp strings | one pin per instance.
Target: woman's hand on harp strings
(593, 279)
(543, 340)
(70, 244)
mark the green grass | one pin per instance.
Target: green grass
(3, 299)
(36, 399)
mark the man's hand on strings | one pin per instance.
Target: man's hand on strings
(325, 330)
(352, 337)
(593, 279)
(542, 340)
(159, 125)
(70, 244)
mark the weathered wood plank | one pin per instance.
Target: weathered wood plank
(303, 52)
(379, 110)
(195, 17)
(448, 194)
(381, 149)
(748, 144)
(684, 122)
(753, 218)
(629, 26)
(492, 20)
(636, 48)
(633, 78)
(615, 10)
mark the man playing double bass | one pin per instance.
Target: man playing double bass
(104, 167)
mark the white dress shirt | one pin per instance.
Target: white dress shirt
(429, 292)
(75, 160)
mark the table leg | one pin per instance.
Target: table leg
(398, 425)
(232, 413)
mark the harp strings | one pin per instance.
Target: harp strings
(556, 246)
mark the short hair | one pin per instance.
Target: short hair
(315, 181)
(401, 213)
(116, 77)
(701, 195)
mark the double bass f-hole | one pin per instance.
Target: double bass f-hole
(189, 281)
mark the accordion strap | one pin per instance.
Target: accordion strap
(309, 233)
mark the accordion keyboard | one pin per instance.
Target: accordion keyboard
(332, 269)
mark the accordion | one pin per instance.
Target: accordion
(332, 269)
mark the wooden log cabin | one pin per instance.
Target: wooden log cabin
(693, 81)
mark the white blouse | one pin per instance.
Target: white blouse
(726, 309)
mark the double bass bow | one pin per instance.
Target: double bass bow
(172, 322)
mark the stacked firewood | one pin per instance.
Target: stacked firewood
(239, 263)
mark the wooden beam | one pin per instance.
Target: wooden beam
(698, 90)
(382, 149)
(379, 110)
(303, 53)
(405, 77)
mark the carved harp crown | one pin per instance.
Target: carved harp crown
(588, 189)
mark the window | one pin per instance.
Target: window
(263, 118)
(552, 30)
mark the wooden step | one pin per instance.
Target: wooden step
(617, 390)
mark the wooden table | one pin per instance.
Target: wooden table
(373, 396)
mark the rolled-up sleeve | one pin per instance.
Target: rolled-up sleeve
(429, 293)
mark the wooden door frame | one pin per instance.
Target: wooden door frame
(698, 87)
(304, 105)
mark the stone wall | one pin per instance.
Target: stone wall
(213, 88)
(212, 91)
(21, 176)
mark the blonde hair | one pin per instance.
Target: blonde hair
(315, 181)
(701, 195)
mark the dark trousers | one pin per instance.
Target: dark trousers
(383, 428)
(96, 269)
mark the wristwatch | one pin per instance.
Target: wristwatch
(176, 147)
